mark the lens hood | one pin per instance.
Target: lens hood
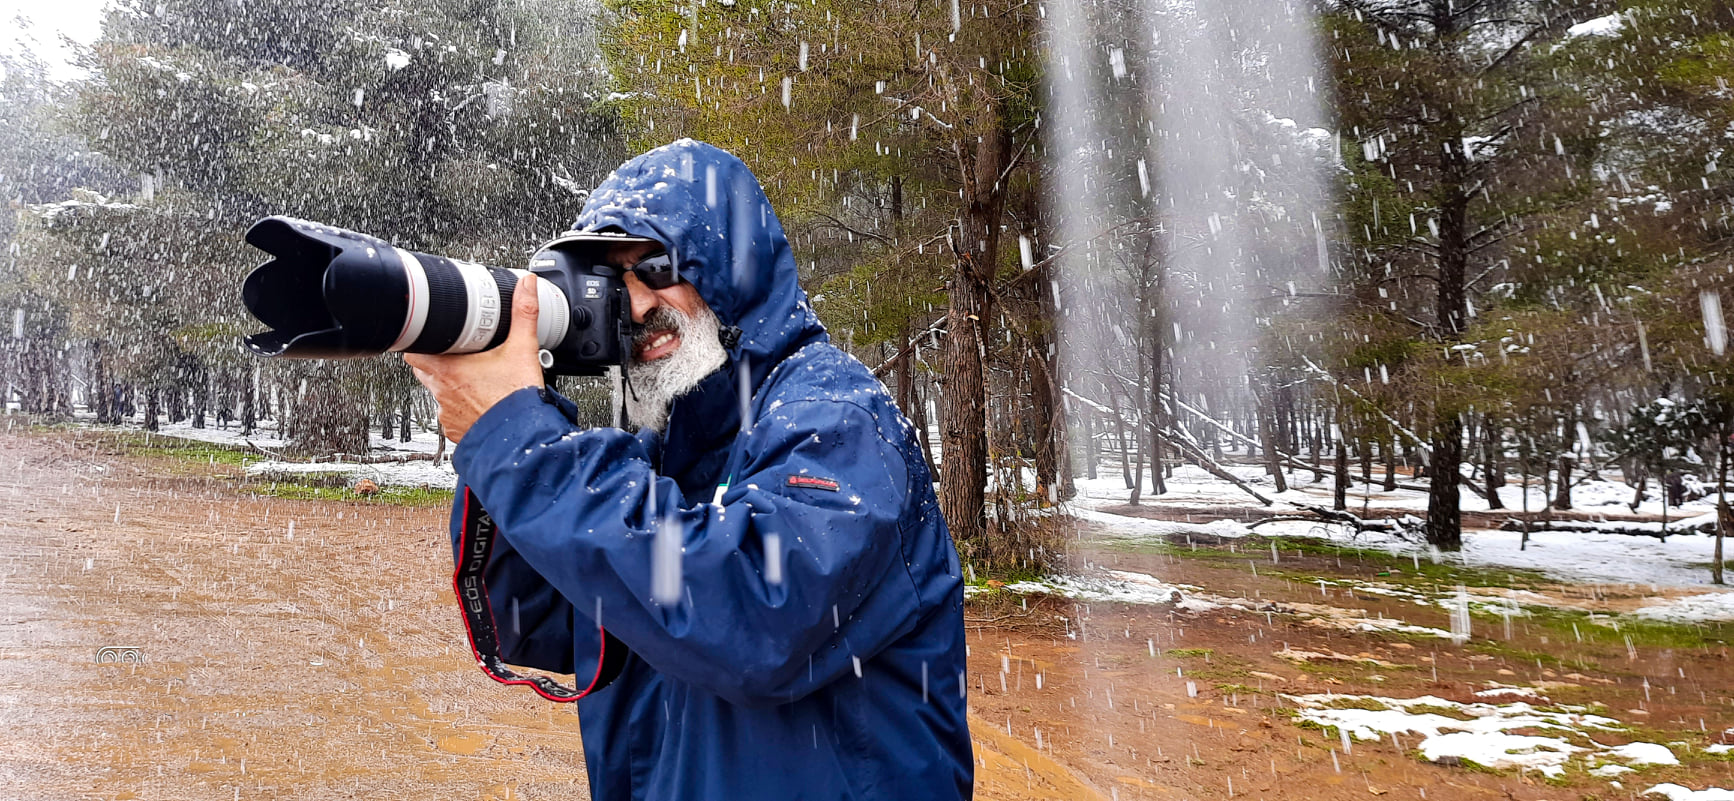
(327, 294)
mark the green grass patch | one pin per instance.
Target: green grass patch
(1441, 711)
(1189, 652)
(1007, 576)
(144, 443)
(1476, 767)
(1396, 569)
(1600, 632)
(1349, 702)
(330, 491)
(1505, 649)
(1699, 754)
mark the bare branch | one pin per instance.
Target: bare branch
(839, 224)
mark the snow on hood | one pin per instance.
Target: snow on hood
(706, 206)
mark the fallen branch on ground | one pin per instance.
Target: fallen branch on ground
(1405, 527)
(1632, 528)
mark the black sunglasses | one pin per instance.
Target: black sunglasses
(657, 271)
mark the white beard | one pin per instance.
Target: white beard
(655, 384)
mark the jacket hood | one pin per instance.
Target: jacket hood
(708, 208)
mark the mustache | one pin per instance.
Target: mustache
(656, 321)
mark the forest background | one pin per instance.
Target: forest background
(1517, 267)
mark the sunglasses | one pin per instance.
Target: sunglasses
(657, 271)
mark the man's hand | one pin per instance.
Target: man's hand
(469, 384)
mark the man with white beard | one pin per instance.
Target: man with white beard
(755, 593)
(678, 342)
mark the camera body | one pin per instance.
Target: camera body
(331, 293)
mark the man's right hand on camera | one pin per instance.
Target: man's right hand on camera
(467, 385)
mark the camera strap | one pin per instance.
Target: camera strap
(475, 544)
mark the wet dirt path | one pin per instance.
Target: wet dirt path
(298, 649)
(291, 649)
(1147, 701)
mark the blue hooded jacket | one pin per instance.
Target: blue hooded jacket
(840, 678)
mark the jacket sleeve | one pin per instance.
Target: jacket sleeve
(794, 581)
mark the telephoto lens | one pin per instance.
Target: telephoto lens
(330, 293)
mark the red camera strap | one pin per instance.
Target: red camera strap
(475, 543)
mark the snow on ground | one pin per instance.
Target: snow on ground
(1674, 792)
(1125, 586)
(1191, 486)
(266, 436)
(420, 473)
(1581, 557)
(401, 474)
(1121, 586)
(1692, 608)
(1482, 732)
(1145, 528)
(1609, 25)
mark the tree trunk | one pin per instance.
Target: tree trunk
(1388, 449)
(1364, 449)
(326, 419)
(1120, 432)
(1154, 420)
(1315, 440)
(1490, 463)
(1089, 417)
(1043, 414)
(963, 481)
(1340, 494)
(249, 404)
(151, 410)
(1267, 442)
(1724, 516)
(1052, 455)
(905, 370)
(101, 399)
(1444, 527)
(1451, 313)
(201, 396)
(1562, 490)
(922, 415)
(1523, 468)
(403, 433)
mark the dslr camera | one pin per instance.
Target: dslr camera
(328, 293)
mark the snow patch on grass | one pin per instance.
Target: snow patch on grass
(1481, 733)
(1125, 586)
(1609, 25)
(1643, 754)
(1120, 586)
(1675, 792)
(399, 474)
(1524, 694)
(1576, 556)
(1692, 608)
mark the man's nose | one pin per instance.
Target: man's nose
(643, 299)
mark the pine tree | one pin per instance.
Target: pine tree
(467, 129)
(924, 111)
(1457, 105)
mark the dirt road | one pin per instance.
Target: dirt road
(311, 649)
